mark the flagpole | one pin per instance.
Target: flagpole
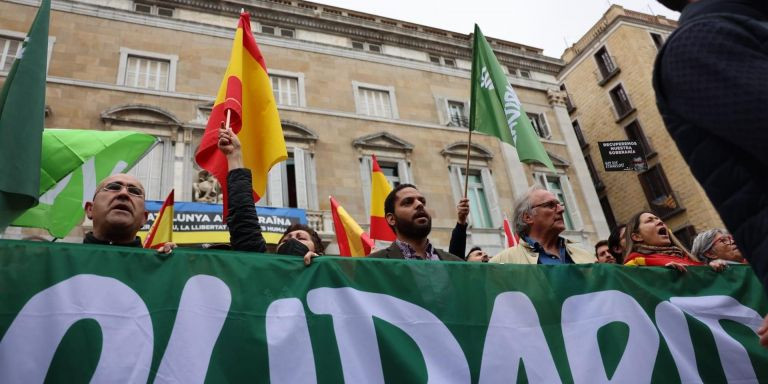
(466, 170)
(229, 113)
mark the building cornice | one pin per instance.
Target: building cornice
(451, 44)
(589, 49)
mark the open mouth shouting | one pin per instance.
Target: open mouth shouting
(122, 207)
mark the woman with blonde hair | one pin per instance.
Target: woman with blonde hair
(649, 242)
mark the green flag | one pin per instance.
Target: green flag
(495, 108)
(74, 161)
(22, 114)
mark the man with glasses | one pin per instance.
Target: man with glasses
(118, 212)
(539, 222)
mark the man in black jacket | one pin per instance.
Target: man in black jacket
(710, 79)
(405, 211)
(118, 212)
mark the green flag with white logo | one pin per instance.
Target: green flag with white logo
(495, 108)
(22, 113)
(74, 161)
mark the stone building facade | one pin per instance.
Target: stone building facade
(608, 77)
(348, 85)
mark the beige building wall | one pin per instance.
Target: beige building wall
(627, 37)
(84, 92)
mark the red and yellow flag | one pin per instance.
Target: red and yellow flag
(161, 231)
(246, 93)
(380, 188)
(353, 241)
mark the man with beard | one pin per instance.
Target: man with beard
(405, 212)
(539, 222)
(118, 212)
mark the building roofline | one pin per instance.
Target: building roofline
(611, 17)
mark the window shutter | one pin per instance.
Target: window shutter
(403, 172)
(442, 110)
(457, 182)
(545, 126)
(366, 165)
(489, 186)
(570, 201)
(299, 166)
(275, 185)
(150, 169)
(309, 163)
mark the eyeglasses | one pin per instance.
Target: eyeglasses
(552, 204)
(727, 240)
(117, 187)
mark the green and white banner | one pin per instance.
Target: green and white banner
(78, 313)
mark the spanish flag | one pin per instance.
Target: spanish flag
(351, 238)
(380, 188)
(246, 94)
(161, 231)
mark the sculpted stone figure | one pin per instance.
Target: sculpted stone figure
(207, 189)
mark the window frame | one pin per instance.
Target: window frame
(304, 185)
(658, 39)
(277, 31)
(366, 46)
(491, 217)
(642, 139)
(400, 159)
(463, 119)
(540, 122)
(122, 69)
(5, 49)
(613, 94)
(154, 9)
(579, 134)
(300, 84)
(669, 193)
(16, 35)
(607, 67)
(359, 103)
(569, 197)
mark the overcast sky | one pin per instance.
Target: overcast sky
(546, 24)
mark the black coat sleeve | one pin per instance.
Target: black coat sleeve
(714, 75)
(242, 221)
(458, 240)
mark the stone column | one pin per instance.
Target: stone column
(557, 99)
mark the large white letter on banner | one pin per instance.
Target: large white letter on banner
(290, 350)
(672, 324)
(584, 315)
(29, 344)
(202, 311)
(515, 334)
(353, 313)
(710, 310)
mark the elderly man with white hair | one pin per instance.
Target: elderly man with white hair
(539, 222)
(717, 244)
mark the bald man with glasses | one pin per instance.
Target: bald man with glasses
(539, 220)
(118, 212)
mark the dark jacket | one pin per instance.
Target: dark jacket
(393, 252)
(458, 243)
(242, 220)
(91, 239)
(710, 79)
